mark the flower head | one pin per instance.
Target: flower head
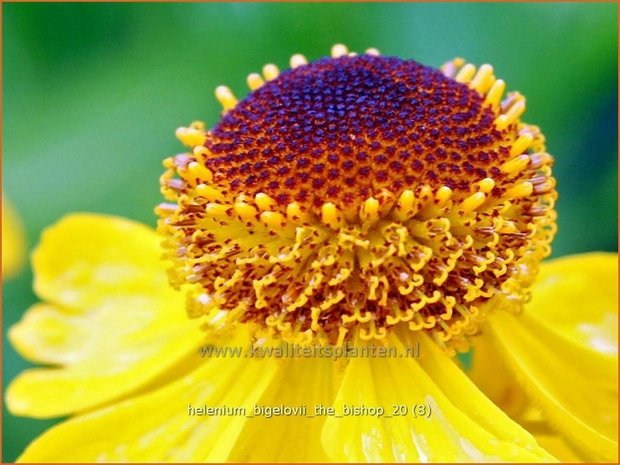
(431, 246)
(357, 193)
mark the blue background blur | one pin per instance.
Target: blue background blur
(94, 92)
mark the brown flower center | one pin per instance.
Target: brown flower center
(341, 130)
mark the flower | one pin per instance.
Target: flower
(359, 193)
(13, 243)
(354, 202)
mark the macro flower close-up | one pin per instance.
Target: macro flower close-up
(351, 264)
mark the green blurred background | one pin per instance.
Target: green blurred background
(94, 92)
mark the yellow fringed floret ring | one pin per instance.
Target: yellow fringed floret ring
(350, 195)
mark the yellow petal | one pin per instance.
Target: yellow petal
(165, 425)
(303, 384)
(580, 407)
(85, 258)
(573, 309)
(112, 323)
(13, 243)
(558, 447)
(491, 375)
(454, 422)
(532, 419)
(577, 298)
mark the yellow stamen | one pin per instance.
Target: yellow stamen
(522, 189)
(245, 211)
(466, 73)
(226, 98)
(255, 81)
(209, 192)
(339, 50)
(483, 79)
(270, 72)
(473, 202)
(486, 185)
(494, 95)
(190, 136)
(521, 144)
(295, 213)
(200, 153)
(331, 216)
(273, 220)
(443, 194)
(217, 210)
(264, 202)
(501, 122)
(197, 171)
(516, 165)
(298, 60)
(404, 207)
(515, 111)
(369, 212)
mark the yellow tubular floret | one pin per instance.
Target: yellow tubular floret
(369, 211)
(331, 216)
(483, 79)
(298, 60)
(522, 143)
(226, 98)
(264, 202)
(270, 72)
(360, 268)
(443, 194)
(494, 95)
(405, 205)
(254, 81)
(209, 192)
(245, 211)
(486, 185)
(466, 73)
(339, 50)
(295, 213)
(516, 165)
(520, 190)
(473, 202)
(191, 136)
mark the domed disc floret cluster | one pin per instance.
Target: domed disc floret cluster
(357, 193)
